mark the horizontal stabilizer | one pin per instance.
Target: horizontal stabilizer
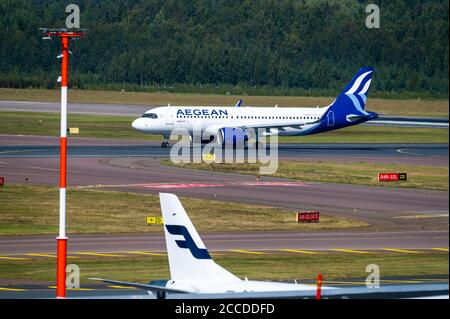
(152, 288)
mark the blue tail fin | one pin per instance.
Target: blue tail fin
(348, 108)
(358, 89)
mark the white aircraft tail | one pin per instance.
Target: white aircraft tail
(188, 256)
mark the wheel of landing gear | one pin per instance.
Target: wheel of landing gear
(161, 295)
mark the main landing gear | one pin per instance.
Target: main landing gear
(165, 143)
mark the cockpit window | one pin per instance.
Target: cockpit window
(150, 115)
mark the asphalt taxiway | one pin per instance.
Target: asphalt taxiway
(78, 108)
(17, 146)
(284, 150)
(356, 241)
(136, 110)
(118, 165)
(403, 220)
(115, 291)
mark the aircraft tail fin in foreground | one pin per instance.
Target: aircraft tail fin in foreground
(188, 256)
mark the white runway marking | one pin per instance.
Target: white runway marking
(402, 151)
(420, 216)
(39, 168)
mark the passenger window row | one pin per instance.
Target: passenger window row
(252, 117)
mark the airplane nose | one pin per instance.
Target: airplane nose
(137, 124)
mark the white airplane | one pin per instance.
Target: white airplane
(230, 124)
(192, 270)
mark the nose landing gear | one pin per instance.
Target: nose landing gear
(165, 143)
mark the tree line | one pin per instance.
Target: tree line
(230, 46)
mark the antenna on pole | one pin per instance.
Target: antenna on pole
(65, 35)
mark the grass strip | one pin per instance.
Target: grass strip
(33, 209)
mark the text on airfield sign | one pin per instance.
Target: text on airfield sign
(154, 220)
(308, 217)
(391, 177)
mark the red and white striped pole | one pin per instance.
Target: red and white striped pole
(61, 260)
(62, 239)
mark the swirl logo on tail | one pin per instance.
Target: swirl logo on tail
(358, 92)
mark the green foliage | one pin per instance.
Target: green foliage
(282, 47)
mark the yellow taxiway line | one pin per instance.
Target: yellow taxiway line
(301, 251)
(402, 251)
(48, 255)
(99, 254)
(11, 289)
(122, 287)
(74, 289)
(243, 251)
(42, 255)
(144, 253)
(440, 249)
(352, 251)
(13, 258)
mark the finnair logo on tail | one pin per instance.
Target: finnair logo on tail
(188, 242)
(358, 92)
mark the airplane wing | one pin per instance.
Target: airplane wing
(152, 288)
(280, 126)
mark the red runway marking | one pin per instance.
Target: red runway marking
(190, 185)
(200, 185)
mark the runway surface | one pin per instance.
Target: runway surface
(138, 169)
(382, 207)
(78, 108)
(22, 246)
(284, 150)
(113, 291)
(409, 218)
(405, 221)
(12, 146)
(137, 110)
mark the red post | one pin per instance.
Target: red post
(319, 286)
(61, 267)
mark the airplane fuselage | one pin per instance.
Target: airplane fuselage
(235, 122)
(284, 121)
(238, 286)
